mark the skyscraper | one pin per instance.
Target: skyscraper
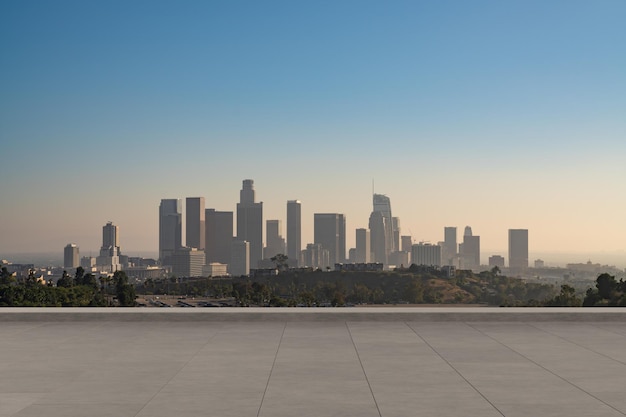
(407, 242)
(109, 259)
(110, 236)
(71, 256)
(470, 250)
(378, 227)
(395, 226)
(448, 252)
(294, 231)
(240, 262)
(218, 236)
(170, 229)
(194, 222)
(381, 227)
(426, 254)
(329, 230)
(250, 222)
(187, 262)
(518, 249)
(363, 249)
(274, 239)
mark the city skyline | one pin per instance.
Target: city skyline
(459, 113)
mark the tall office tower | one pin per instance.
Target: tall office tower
(406, 243)
(426, 254)
(195, 222)
(109, 259)
(329, 230)
(448, 252)
(110, 236)
(294, 231)
(470, 250)
(170, 229)
(70, 256)
(363, 248)
(381, 229)
(250, 222)
(218, 236)
(187, 262)
(518, 248)
(240, 258)
(378, 237)
(275, 242)
(395, 225)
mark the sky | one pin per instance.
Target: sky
(492, 114)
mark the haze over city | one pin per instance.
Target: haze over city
(497, 116)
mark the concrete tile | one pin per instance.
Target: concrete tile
(329, 367)
(12, 403)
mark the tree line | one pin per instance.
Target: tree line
(312, 288)
(80, 290)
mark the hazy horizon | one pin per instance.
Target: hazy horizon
(494, 115)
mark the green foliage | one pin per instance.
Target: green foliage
(65, 281)
(280, 260)
(37, 295)
(125, 292)
(566, 298)
(6, 277)
(608, 292)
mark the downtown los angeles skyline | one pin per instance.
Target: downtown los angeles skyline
(497, 116)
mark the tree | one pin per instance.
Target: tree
(566, 298)
(65, 281)
(124, 291)
(606, 284)
(78, 276)
(6, 277)
(280, 260)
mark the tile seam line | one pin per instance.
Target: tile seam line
(602, 326)
(576, 344)
(546, 369)
(363, 369)
(221, 327)
(454, 369)
(269, 377)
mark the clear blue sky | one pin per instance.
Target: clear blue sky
(494, 114)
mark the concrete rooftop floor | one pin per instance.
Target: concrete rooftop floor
(275, 365)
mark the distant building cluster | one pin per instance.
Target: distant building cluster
(215, 245)
(241, 248)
